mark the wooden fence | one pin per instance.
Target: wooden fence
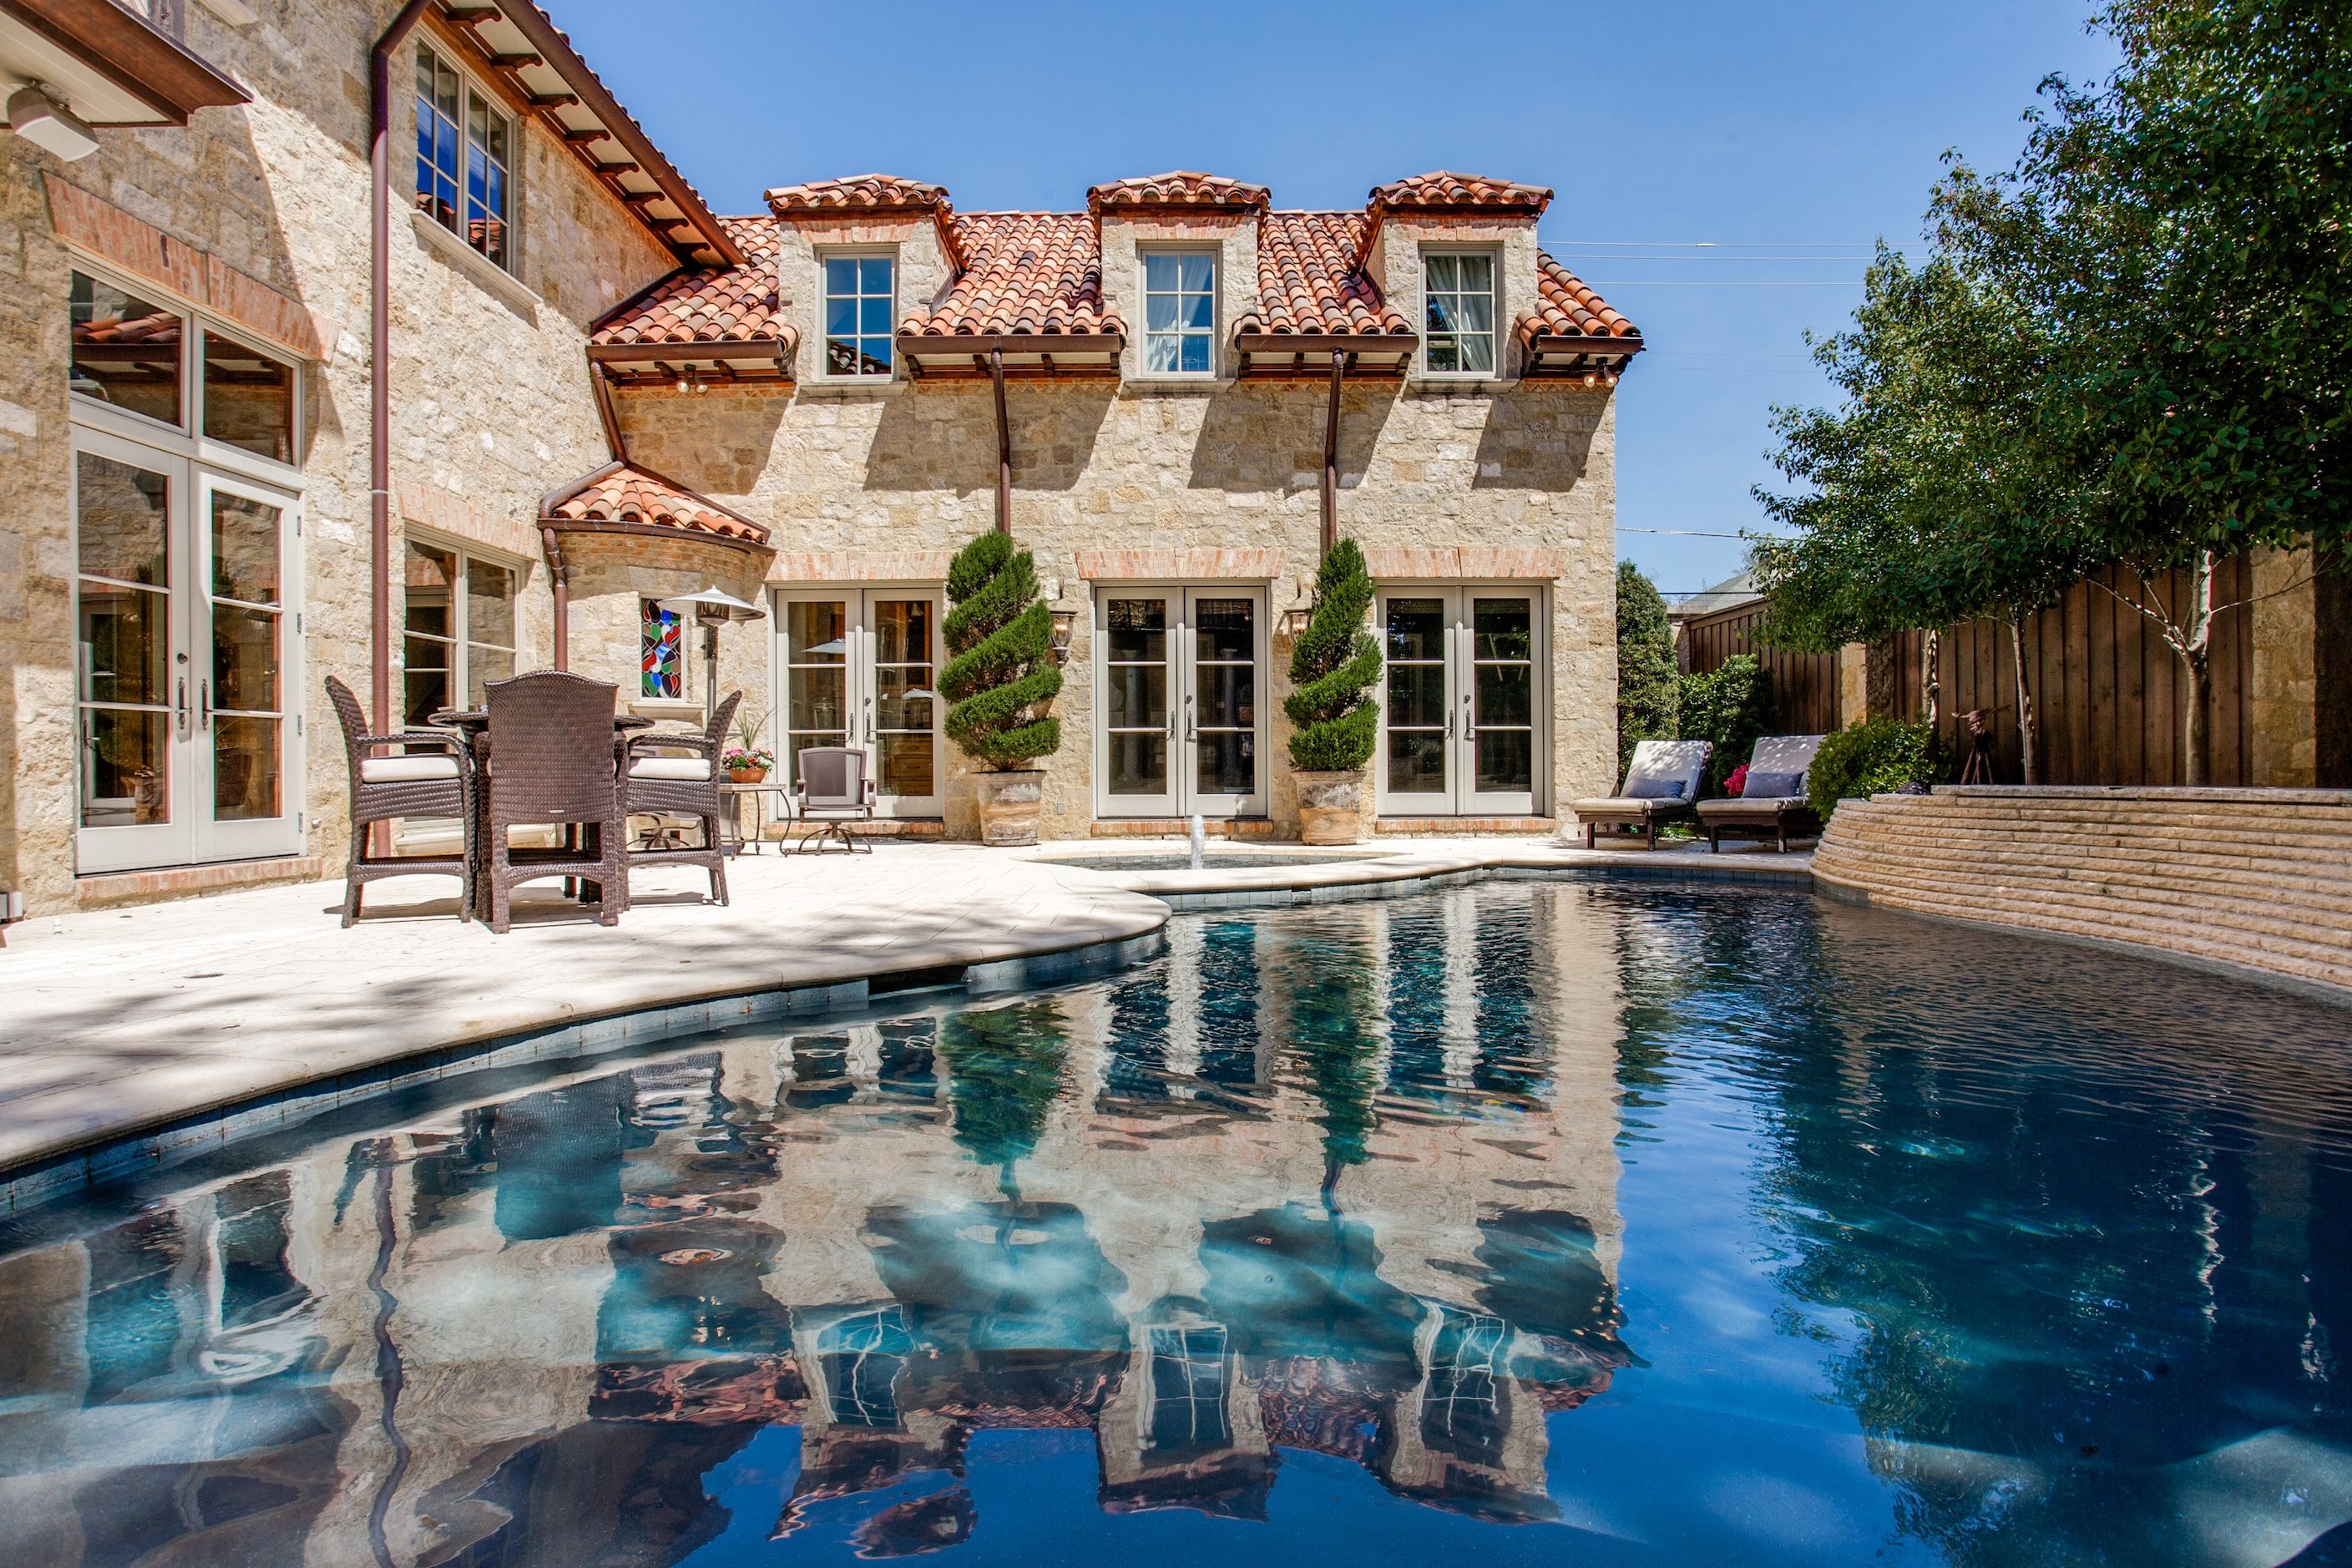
(2109, 696)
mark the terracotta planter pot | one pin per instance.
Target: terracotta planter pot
(1009, 803)
(1331, 806)
(747, 775)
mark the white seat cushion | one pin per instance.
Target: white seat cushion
(670, 768)
(411, 769)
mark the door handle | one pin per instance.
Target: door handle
(204, 704)
(181, 708)
(869, 720)
(1469, 719)
(1189, 734)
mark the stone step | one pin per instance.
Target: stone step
(2321, 887)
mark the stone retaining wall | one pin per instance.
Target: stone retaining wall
(2261, 879)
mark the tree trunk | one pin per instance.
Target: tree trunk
(1930, 656)
(2196, 649)
(2025, 747)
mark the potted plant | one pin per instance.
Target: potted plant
(744, 762)
(1001, 679)
(1333, 665)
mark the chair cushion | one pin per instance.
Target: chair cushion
(1772, 786)
(411, 769)
(1654, 788)
(670, 768)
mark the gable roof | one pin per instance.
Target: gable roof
(857, 195)
(708, 305)
(1311, 278)
(622, 495)
(1450, 193)
(1182, 189)
(1024, 274)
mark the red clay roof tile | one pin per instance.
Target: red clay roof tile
(1310, 277)
(1179, 188)
(623, 492)
(736, 304)
(857, 195)
(1023, 273)
(1445, 192)
(1567, 307)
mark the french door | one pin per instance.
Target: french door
(188, 646)
(1462, 733)
(1179, 676)
(857, 668)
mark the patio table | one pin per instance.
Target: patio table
(758, 835)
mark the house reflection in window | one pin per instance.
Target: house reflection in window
(860, 1358)
(1461, 1413)
(1188, 1389)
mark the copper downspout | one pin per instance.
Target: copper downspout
(1003, 445)
(380, 359)
(603, 387)
(558, 577)
(1331, 457)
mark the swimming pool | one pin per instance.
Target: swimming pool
(1534, 1221)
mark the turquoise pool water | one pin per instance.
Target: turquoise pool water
(1522, 1222)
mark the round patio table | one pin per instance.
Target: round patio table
(732, 823)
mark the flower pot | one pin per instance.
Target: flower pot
(746, 775)
(1009, 803)
(1331, 806)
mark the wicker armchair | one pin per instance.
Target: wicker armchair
(553, 758)
(685, 785)
(435, 783)
(832, 792)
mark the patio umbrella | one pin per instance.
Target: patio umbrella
(711, 609)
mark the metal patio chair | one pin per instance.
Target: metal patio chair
(435, 781)
(832, 792)
(682, 786)
(552, 760)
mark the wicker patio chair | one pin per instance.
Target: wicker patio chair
(1773, 804)
(1659, 787)
(685, 785)
(832, 792)
(552, 761)
(421, 783)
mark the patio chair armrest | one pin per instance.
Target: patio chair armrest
(448, 738)
(676, 741)
(871, 794)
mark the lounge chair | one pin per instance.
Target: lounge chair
(1659, 788)
(682, 786)
(553, 758)
(832, 792)
(1772, 804)
(432, 778)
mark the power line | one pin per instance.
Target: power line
(1697, 533)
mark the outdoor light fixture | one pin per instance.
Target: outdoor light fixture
(48, 124)
(1065, 622)
(1295, 619)
(713, 609)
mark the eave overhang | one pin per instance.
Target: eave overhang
(110, 66)
(1560, 354)
(1308, 354)
(1028, 356)
(745, 363)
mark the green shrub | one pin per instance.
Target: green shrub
(1731, 706)
(1647, 687)
(1877, 756)
(1332, 668)
(1002, 673)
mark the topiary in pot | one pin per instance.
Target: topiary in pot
(1332, 668)
(999, 678)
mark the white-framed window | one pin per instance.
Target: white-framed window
(129, 356)
(1458, 312)
(1180, 313)
(465, 158)
(460, 626)
(860, 313)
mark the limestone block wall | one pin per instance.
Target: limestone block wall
(489, 401)
(2261, 879)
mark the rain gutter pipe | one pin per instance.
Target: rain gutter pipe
(1331, 456)
(380, 359)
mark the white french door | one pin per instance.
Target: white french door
(1179, 673)
(856, 666)
(1462, 731)
(188, 650)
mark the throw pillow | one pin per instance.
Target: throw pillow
(1654, 789)
(1773, 786)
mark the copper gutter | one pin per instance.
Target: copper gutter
(1003, 445)
(380, 359)
(558, 577)
(1331, 456)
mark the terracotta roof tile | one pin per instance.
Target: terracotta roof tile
(735, 304)
(1024, 272)
(1566, 305)
(856, 195)
(1177, 188)
(1310, 277)
(1456, 193)
(623, 492)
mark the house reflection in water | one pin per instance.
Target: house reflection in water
(1343, 1183)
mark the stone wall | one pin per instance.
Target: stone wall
(490, 404)
(2257, 878)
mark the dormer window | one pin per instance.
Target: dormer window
(1459, 312)
(859, 311)
(1180, 313)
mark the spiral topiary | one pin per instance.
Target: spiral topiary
(1002, 673)
(1332, 666)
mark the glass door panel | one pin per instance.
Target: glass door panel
(858, 669)
(1461, 732)
(1416, 635)
(1221, 681)
(1179, 676)
(1139, 715)
(816, 662)
(135, 684)
(1502, 730)
(241, 710)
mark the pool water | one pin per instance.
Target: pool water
(1522, 1222)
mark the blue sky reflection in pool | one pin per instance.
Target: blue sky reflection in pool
(1526, 1223)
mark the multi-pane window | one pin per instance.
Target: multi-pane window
(1180, 313)
(858, 314)
(660, 642)
(1459, 296)
(465, 150)
(126, 350)
(460, 627)
(248, 398)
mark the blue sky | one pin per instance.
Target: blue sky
(1789, 136)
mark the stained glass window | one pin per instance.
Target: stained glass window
(663, 639)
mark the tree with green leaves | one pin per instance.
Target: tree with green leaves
(2180, 235)
(1647, 683)
(1004, 1070)
(1002, 677)
(1727, 707)
(1333, 667)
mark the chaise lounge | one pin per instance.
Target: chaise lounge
(1772, 804)
(1660, 787)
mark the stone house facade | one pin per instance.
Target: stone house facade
(595, 395)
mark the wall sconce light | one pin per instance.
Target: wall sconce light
(1065, 622)
(1294, 621)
